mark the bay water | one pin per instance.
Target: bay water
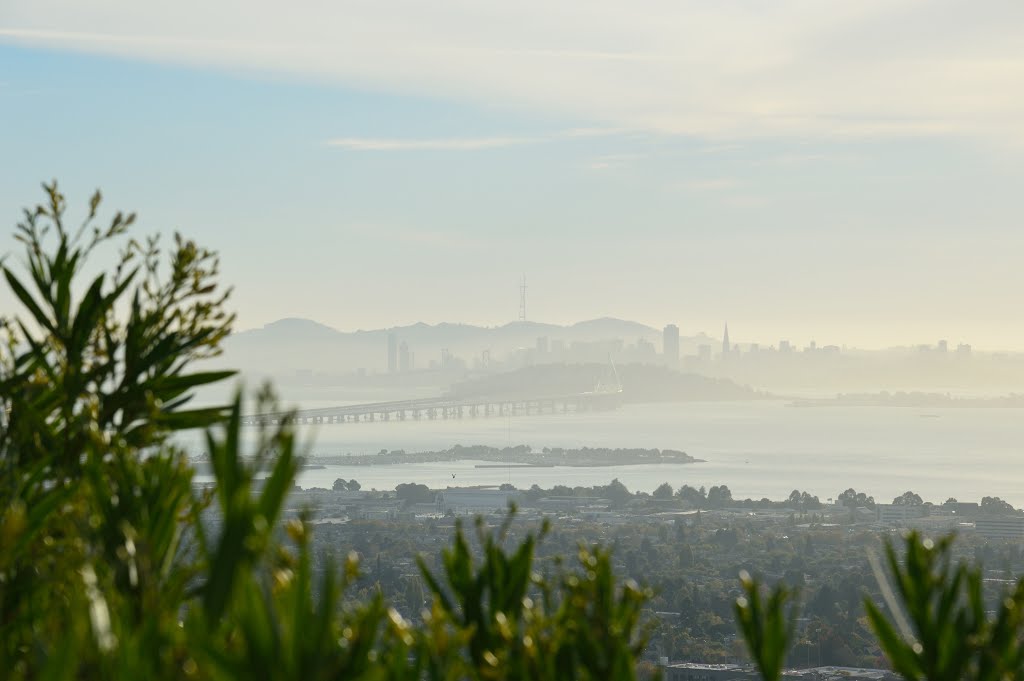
(757, 448)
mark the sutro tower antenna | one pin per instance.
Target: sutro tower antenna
(522, 299)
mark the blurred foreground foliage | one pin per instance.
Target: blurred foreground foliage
(108, 572)
(933, 622)
(106, 568)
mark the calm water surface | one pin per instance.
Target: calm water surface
(758, 449)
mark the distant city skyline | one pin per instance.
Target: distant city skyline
(784, 343)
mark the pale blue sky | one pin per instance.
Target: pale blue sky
(831, 192)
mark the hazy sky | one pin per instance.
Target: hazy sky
(849, 172)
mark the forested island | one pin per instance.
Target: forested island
(520, 455)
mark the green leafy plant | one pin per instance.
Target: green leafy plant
(766, 622)
(937, 625)
(94, 379)
(578, 624)
(114, 564)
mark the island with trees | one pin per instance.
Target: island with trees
(520, 455)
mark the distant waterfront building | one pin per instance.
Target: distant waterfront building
(943, 346)
(704, 353)
(542, 345)
(392, 352)
(785, 347)
(670, 344)
(404, 358)
(963, 349)
(645, 348)
(726, 348)
(1001, 527)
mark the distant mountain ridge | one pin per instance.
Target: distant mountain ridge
(294, 345)
(617, 327)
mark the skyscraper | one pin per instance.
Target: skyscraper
(392, 352)
(726, 348)
(670, 344)
(404, 358)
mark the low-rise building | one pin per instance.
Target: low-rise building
(964, 508)
(694, 671)
(1000, 527)
(475, 500)
(895, 515)
(557, 503)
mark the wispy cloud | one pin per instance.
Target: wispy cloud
(721, 71)
(414, 237)
(716, 184)
(437, 144)
(613, 161)
(597, 132)
(463, 143)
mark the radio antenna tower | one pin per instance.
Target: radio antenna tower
(522, 299)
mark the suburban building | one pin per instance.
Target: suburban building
(1000, 527)
(475, 500)
(900, 514)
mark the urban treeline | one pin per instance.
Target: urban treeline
(108, 570)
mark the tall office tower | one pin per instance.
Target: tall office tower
(404, 358)
(670, 344)
(392, 352)
(726, 348)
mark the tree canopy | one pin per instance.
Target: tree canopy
(908, 499)
(664, 491)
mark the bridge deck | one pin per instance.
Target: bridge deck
(444, 404)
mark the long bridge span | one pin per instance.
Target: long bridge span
(445, 408)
